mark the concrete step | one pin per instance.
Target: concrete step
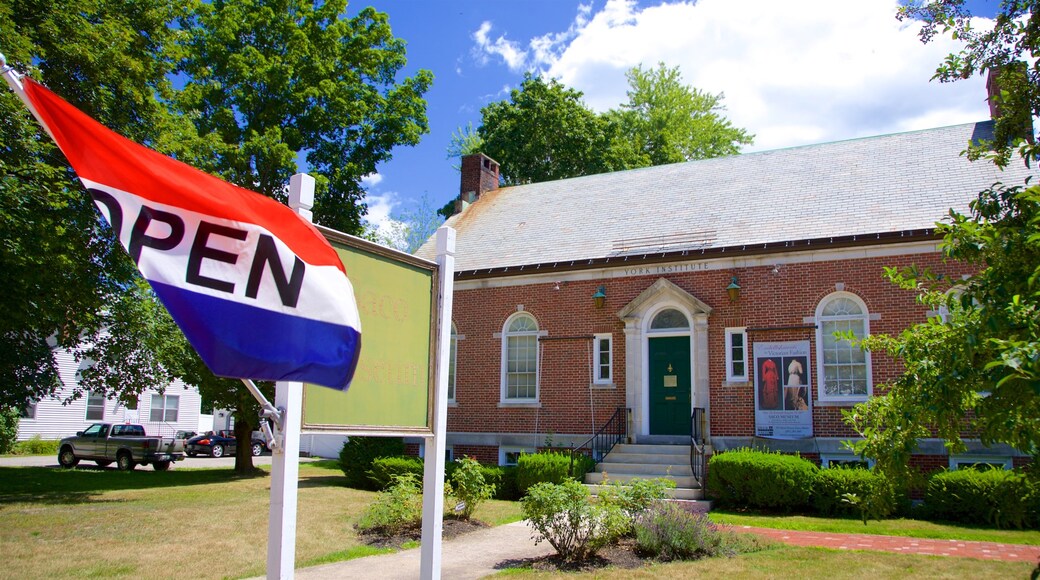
(645, 458)
(651, 449)
(680, 480)
(654, 469)
(691, 497)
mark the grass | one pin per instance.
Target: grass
(808, 563)
(892, 527)
(184, 523)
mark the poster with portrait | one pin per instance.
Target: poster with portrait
(783, 400)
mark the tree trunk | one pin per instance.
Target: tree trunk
(244, 447)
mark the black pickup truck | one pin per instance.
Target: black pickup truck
(126, 445)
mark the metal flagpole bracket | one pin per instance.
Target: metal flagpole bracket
(270, 415)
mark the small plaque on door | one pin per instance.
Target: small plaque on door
(671, 380)
(669, 398)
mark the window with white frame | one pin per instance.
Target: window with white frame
(520, 358)
(453, 347)
(164, 408)
(95, 406)
(736, 354)
(28, 411)
(509, 456)
(603, 355)
(980, 462)
(845, 366)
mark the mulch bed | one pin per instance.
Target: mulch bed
(452, 527)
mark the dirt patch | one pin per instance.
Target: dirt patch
(452, 527)
(621, 555)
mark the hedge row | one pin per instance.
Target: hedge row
(1004, 499)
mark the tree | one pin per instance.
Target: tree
(543, 132)
(408, 230)
(277, 80)
(978, 368)
(667, 121)
(67, 282)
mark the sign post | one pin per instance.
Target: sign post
(433, 463)
(285, 458)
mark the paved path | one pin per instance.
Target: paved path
(901, 545)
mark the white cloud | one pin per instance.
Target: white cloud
(509, 51)
(794, 72)
(371, 180)
(380, 206)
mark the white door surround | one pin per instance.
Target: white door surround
(637, 315)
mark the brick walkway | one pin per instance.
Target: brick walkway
(901, 545)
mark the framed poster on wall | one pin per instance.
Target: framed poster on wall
(783, 399)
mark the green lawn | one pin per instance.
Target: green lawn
(893, 527)
(184, 523)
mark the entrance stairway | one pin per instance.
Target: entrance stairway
(629, 461)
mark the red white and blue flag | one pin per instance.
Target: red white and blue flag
(257, 290)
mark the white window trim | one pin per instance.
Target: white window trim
(820, 371)
(827, 458)
(503, 450)
(453, 361)
(504, 363)
(1005, 460)
(730, 377)
(165, 406)
(86, 413)
(596, 341)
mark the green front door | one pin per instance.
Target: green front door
(670, 385)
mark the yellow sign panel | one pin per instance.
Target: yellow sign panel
(393, 386)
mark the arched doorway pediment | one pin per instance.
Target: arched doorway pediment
(658, 292)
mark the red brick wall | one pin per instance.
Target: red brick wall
(768, 299)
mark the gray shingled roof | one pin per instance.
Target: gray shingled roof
(892, 183)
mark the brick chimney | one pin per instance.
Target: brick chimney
(1011, 74)
(479, 175)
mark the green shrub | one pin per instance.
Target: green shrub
(582, 464)
(8, 429)
(386, 470)
(355, 459)
(759, 479)
(397, 509)
(36, 446)
(1004, 499)
(668, 532)
(537, 468)
(468, 486)
(635, 497)
(564, 515)
(504, 479)
(853, 491)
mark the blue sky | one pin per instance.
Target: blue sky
(793, 72)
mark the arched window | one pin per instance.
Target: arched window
(845, 366)
(453, 347)
(520, 358)
(669, 319)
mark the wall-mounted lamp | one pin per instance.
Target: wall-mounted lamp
(733, 290)
(600, 297)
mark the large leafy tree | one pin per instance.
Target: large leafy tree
(977, 368)
(67, 283)
(667, 121)
(280, 80)
(543, 132)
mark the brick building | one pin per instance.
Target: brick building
(713, 284)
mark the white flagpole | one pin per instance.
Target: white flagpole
(285, 459)
(433, 463)
(14, 80)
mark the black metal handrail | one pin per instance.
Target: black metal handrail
(697, 444)
(614, 431)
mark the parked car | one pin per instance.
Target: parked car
(127, 445)
(220, 444)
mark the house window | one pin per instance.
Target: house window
(845, 460)
(669, 319)
(453, 347)
(846, 367)
(520, 358)
(95, 406)
(736, 354)
(981, 462)
(28, 411)
(603, 354)
(164, 408)
(508, 456)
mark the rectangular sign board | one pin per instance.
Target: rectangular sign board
(392, 391)
(783, 402)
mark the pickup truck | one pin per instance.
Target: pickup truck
(126, 445)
